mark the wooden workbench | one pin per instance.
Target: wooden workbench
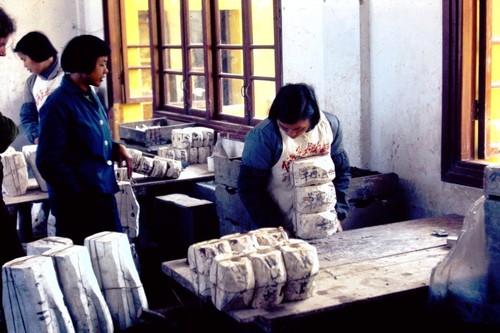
(192, 173)
(33, 194)
(356, 266)
(145, 188)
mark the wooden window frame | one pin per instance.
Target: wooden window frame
(233, 127)
(116, 36)
(460, 109)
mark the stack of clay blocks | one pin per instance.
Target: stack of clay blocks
(314, 197)
(259, 269)
(190, 145)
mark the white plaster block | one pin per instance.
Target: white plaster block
(315, 225)
(82, 295)
(315, 198)
(268, 236)
(203, 154)
(29, 153)
(128, 208)
(302, 265)
(270, 277)
(312, 170)
(32, 299)
(15, 173)
(117, 275)
(233, 281)
(41, 245)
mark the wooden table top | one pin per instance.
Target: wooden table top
(33, 194)
(193, 172)
(356, 265)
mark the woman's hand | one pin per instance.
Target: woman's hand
(124, 156)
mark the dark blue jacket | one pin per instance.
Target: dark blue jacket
(75, 148)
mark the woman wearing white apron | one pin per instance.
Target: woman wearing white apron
(40, 58)
(294, 129)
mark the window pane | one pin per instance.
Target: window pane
(196, 60)
(198, 92)
(262, 22)
(263, 63)
(174, 93)
(139, 56)
(495, 79)
(140, 83)
(172, 59)
(495, 22)
(172, 22)
(195, 22)
(232, 100)
(495, 63)
(137, 23)
(231, 61)
(230, 22)
(495, 118)
(264, 93)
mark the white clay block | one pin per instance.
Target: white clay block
(181, 138)
(241, 242)
(32, 299)
(270, 277)
(268, 236)
(82, 295)
(208, 136)
(196, 136)
(302, 265)
(315, 198)
(145, 165)
(315, 225)
(117, 275)
(191, 261)
(121, 174)
(182, 154)
(41, 245)
(204, 255)
(203, 154)
(136, 157)
(29, 153)
(233, 281)
(160, 168)
(174, 168)
(128, 208)
(313, 170)
(15, 173)
(167, 151)
(193, 156)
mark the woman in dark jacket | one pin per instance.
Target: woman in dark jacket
(76, 152)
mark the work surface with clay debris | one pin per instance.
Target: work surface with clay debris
(356, 266)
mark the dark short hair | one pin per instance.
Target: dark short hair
(81, 53)
(36, 46)
(7, 25)
(295, 102)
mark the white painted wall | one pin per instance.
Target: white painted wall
(60, 20)
(377, 64)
